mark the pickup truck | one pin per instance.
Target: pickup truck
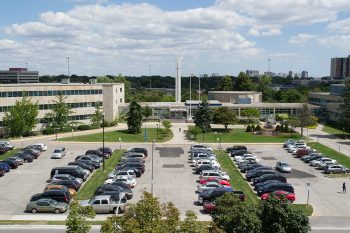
(106, 204)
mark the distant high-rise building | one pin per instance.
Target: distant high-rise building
(215, 75)
(340, 67)
(19, 75)
(252, 73)
(304, 74)
(290, 73)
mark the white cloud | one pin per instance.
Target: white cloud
(301, 38)
(340, 26)
(340, 42)
(265, 30)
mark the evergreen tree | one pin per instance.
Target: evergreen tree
(134, 118)
(225, 84)
(345, 107)
(203, 117)
(243, 83)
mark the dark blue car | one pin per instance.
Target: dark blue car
(5, 166)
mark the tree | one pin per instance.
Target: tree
(203, 117)
(166, 124)
(233, 215)
(149, 216)
(243, 83)
(134, 118)
(225, 84)
(264, 86)
(289, 96)
(104, 79)
(251, 113)
(278, 216)
(281, 117)
(224, 116)
(21, 118)
(60, 113)
(191, 225)
(96, 118)
(193, 131)
(345, 107)
(76, 220)
(147, 111)
(304, 117)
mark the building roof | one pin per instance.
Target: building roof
(234, 92)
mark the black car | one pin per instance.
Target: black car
(139, 166)
(249, 166)
(273, 187)
(275, 176)
(267, 182)
(211, 195)
(137, 171)
(204, 167)
(13, 164)
(312, 157)
(250, 175)
(126, 189)
(57, 195)
(26, 157)
(35, 147)
(109, 187)
(89, 162)
(139, 150)
(130, 160)
(73, 184)
(253, 169)
(32, 152)
(82, 165)
(113, 194)
(235, 148)
(240, 152)
(97, 153)
(106, 150)
(2, 172)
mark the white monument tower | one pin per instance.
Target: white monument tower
(178, 82)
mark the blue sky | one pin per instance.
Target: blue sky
(209, 36)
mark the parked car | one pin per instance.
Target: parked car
(18, 159)
(89, 158)
(126, 179)
(222, 182)
(126, 187)
(322, 165)
(335, 168)
(208, 186)
(214, 173)
(253, 174)
(274, 187)
(26, 157)
(58, 153)
(7, 144)
(75, 171)
(106, 204)
(3, 150)
(249, 166)
(5, 166)
(211, 195)
(114, 187)
(208, 207)
(283, 167)
(310, 157)
(65, 177)
(321, 160)
(128, 172)
(199, 146)
(97, 153)
(139, 150)
(266, 182)
(208, 179)
(46, 205)
(199, 169)
(139, 166)
(273, 176)
(2, 172)
(82, 165)
(11, 163)
(90, 163)
(33, 152)
(57, 195)
(303, 151)
(71, 191)
(42, 146)
(235, 148)
(278, 194)
(131, 160)
(106, 150)
(240, 152)
(73, 184)
(288, 142)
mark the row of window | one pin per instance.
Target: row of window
(50, 106)
(9, 94)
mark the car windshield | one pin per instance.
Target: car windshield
(52, 202)
(57, 151)
(284, 164)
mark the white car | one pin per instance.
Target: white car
(42, 145)
(130, 173)
(127, 180)
(7, 144)
(58, 153)
(247, 159)
(324, 164)
(208, 186)
(241, 157)
(199, 146)
(207, 162)
(314, 163)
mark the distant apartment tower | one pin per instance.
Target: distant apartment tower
(304, 74)
(340, 67)
(18, 75)
(290, 73)
(252, 73)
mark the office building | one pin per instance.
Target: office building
(340, 67)
(252, 73)
(18, 75)
(304, 74)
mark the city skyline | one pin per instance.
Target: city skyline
(223, 36)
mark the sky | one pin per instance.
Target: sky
(134, 37)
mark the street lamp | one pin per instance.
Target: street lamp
(56, 132)
(120, 143)
(72, 133)
(157, 130)
(308, 193)
(103, 139)
(152, 168)
(145, 135)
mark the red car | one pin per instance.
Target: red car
(222, 182)
(302, 151)
(208, 207)
(205, 180)
(278, 194)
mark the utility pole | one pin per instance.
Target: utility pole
(199, 88)
(191, 96)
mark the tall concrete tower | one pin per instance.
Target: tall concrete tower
(178, 82)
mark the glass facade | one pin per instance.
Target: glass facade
(9, 94)
(50, 106)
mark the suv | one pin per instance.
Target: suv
(269, 177)
(211, 195)
(250, 175)
(57, 195)
(97, 153)
(75, 171)
(139, 150)
(335, 169)
(235, 148)
(58, 153)
(7, 145)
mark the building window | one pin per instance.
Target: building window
(121, 89)
(121, 100)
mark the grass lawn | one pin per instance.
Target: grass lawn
(9, 154)
(236, 179)
(113, 136)
(239, 183)
(240, 136)
(333, 154)
(99, 176)
(336, 132)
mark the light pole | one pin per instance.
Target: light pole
(68, 66)
(190, 97)
(343, 133)
(120, 143)
(103, 139)
(308, 193)
(157, 130)
(150, 76)
(145, 135)
(152, 168)
(72, 133)
(199, 88)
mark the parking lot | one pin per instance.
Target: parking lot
(173, 178)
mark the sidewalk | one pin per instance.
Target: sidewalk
(341, 145)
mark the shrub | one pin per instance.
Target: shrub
(83, 127)
(278, 128)
(193, 130)
(258, 128)
(66, 129)
(48, 130)
(248, 129)
(106, 124)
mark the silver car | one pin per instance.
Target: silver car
(335, 168)
(208, 186)
(283, 167)
(58, 153)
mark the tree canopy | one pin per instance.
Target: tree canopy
(243, 83)
(251, 113)
(76, 220)
(224, 116)
(134, 118)
(60, 113)
(225, 84)
(203, 117)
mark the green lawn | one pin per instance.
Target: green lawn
(329, 152)
(336, 132)
(9, 154)
(239, 183)
(113, 136)
(236, 179)
(99, 176)
(240, 136)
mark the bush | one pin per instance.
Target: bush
(258, 128)
(106, 124)
(193, 130)
(83, 127)
(48, 130)
(278, 128)
(94, 127)
(248, 129)
(66, 129)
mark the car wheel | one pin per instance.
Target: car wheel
(34, 211)
(116, 211)
(57, 211)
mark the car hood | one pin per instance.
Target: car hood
(84, 203)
